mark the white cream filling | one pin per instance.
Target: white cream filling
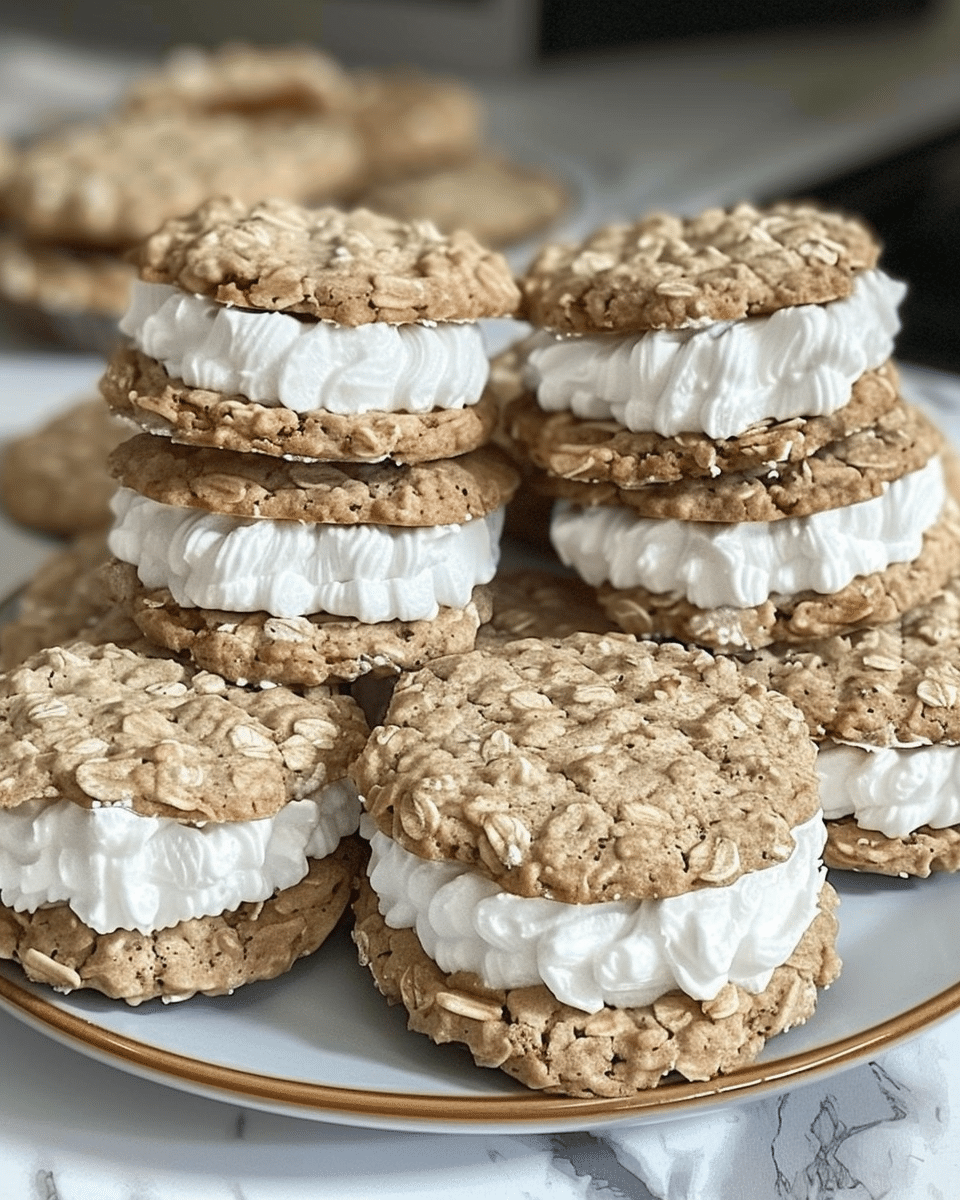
(119, 870)
(621, 953)
(722, 378)
(713, 564)
(276, 359)
(292, 569)
(892, 789)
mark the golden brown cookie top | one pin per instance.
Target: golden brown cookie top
(245, 79)
(447, 491)
(591, 768)
(349, 267)
(104, 725)
(669, 272)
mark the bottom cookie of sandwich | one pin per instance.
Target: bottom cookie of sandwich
(208, 955)
(549, 1046)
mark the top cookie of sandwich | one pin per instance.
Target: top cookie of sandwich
(349, 267)
(590, 768)
(668, 272)
(104, 725)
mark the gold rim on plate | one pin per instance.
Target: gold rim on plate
(319, 1099)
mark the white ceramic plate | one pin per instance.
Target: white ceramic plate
(322, 1043)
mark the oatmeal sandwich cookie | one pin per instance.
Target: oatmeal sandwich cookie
(560, 828)
(884, 705)
(163, 833)
(311, 334)
(855, 535)
(262, 569)
(65, 601)
(712, 402)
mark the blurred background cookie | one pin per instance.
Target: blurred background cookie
(251, 122)
(496, 200)
(55, 479)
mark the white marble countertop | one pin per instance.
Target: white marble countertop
(679, 128)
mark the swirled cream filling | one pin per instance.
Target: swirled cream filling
(713, 564)
(275, 359)
(119, 870)
(891, 789)
(722, 378)
(292, 568)
(621, 953)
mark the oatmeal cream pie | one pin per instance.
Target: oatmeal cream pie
(298, 572)
(853, 535)
(311, 334)
(672, 348)
(884, 705)
(595, 861)
(165, 834)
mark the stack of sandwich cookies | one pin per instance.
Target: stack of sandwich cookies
(715, 408)
(884, 706)
(594, 861)
(313, 496)
(163, 833)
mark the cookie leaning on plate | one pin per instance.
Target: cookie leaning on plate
(351, 336)
(298, 572)
(532, 800)
(164, 834)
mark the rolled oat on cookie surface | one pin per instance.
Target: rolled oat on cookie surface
(613, 784)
